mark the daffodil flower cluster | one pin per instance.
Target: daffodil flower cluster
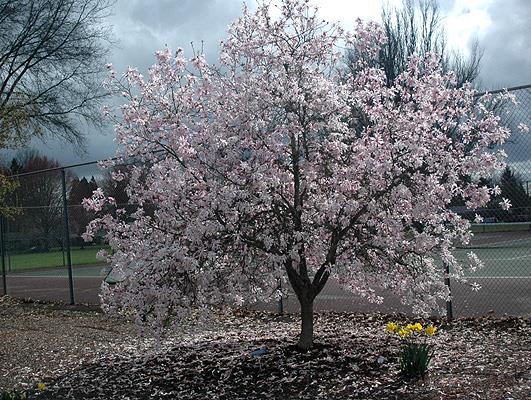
(416, 354)
(410, 329)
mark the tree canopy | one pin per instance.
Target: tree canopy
(257, 172)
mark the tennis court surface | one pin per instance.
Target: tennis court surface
(505, 253)
(505, 280)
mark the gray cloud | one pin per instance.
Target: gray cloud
(506, 63)
(143, 26)
(507, 44)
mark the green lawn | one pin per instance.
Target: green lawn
(54, 258)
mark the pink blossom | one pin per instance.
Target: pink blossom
(523, 128)
(505, 204)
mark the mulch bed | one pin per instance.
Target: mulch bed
(353, 358)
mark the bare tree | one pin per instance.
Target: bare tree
(416, 29)
(51, 67)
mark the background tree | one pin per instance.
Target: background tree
(512, 188)
(51, 62)
(79, 217)
(39, 198)
(114, 183)
(257, 174)
(416, 28)
(7, 186)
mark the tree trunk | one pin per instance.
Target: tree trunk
(306, 336)
(306, 291)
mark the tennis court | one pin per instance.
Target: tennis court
(505, 250)
(79, 271)
(505, 280)
(52, 284)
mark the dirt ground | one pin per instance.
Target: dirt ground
(80, 353)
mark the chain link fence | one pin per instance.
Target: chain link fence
(43, 256)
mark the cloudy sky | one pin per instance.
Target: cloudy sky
(143, 26)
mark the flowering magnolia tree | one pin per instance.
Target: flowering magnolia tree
(277, 163)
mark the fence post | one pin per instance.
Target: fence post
(3, 251)
(67, 238)
(449, 309)
(7, 253)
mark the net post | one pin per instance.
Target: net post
(67, 238)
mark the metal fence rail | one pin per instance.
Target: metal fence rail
(44, 258)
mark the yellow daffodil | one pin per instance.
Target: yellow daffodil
(417, 327)
(391, 327)
(410, 328)
(430, 330)
(41, 386)
(403, 332)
